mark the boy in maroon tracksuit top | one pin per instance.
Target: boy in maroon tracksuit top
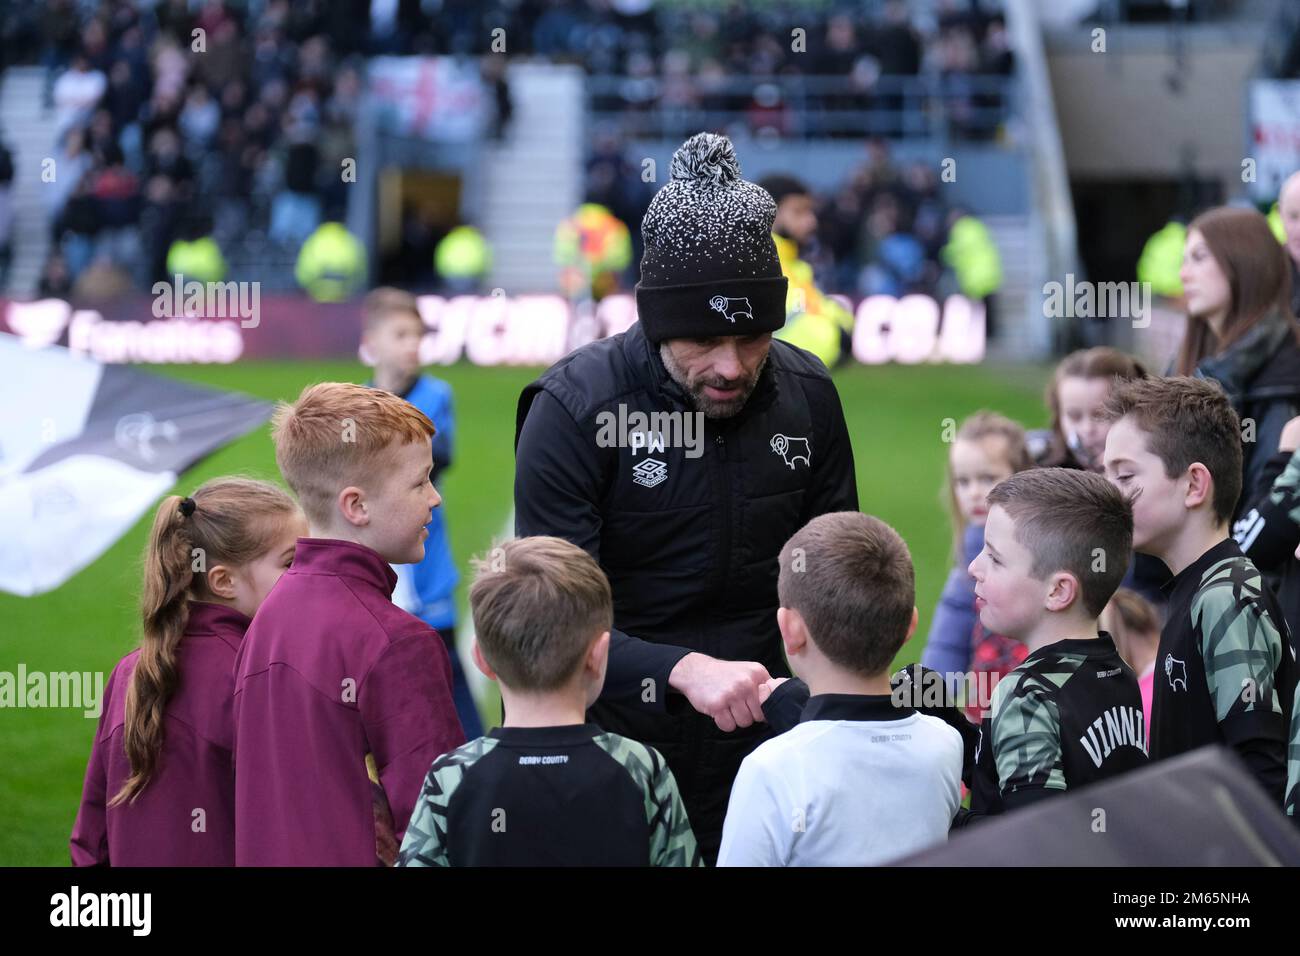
(342, 699)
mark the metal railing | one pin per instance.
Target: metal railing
(1053, 230)
(1146, 11)
(932, 107)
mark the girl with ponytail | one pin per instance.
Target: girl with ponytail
(159, 788)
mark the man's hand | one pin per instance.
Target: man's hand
(727, 691)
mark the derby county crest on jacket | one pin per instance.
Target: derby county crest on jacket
(792, 449)
(1176, 671)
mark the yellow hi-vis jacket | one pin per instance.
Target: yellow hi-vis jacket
(331, 264)
(462, 254)
(973, 257)
(1162, 258)
(196, 260)
(812, 320)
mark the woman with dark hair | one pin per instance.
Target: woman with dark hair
(1240, 330)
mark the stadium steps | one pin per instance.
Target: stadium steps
(27, 128)
(534, 178)
(1011, 236)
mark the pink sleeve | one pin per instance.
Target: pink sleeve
(1146, 686)
(409, 718)
(89, 841)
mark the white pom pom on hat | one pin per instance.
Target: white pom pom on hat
(708, 158)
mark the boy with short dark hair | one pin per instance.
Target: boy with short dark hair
(547, 788)
(1224, 669)
(1056, 545)
(860, 779)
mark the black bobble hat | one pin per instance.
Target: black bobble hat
(710, 266)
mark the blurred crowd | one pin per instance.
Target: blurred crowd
(882, 231)
(217, 128)
(164, 134)
(683, 58)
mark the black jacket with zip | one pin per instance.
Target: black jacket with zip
(689, 541)
(1260, 373)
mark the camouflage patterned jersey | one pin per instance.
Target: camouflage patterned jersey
(1224, 670)
(1269, 532)
(550, 796)
(1068, 716)
(1293, 766)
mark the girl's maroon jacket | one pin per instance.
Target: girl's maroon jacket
(185, 816)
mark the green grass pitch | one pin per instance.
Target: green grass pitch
(896, 418)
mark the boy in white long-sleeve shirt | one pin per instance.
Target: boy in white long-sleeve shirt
(863, 778)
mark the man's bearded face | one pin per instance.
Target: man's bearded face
(717, 374)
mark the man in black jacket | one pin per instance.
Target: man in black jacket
(682, 454)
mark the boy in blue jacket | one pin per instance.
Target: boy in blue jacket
(391, 334)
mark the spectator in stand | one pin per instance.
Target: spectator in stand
(117, 196)
(166, 159)
(122, 101)
(56, 280)
(337, 138)
(295, 211)
(58, 41)
(199, 120)
(170, 71)
(222, 62)
(76, 92)
(72, 162)
(115, 189)
(159, 222)
(78, 227)
(895, 42)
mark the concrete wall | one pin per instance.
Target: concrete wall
(1120, 116)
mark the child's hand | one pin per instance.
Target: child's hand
(1290, 440)
(766, 688)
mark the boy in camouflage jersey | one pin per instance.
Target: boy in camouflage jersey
(547, 789)
(1056, 545)
(1269, 532)
(1293, 766)
(1225, 672)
